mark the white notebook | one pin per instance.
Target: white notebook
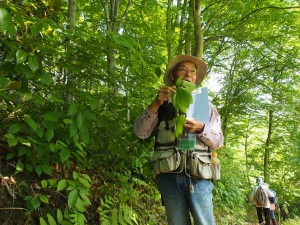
(199, 109)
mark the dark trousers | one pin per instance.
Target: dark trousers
(266, 211)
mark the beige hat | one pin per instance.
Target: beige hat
(201, 68)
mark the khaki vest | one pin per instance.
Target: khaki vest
(168, 159)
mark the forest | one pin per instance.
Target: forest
(76, 74)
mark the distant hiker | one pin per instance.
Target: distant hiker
(183, 190)
(261, 194)
(273, 206)
(285, 211)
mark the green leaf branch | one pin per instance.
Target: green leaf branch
(181, 100)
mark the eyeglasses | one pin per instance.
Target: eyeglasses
(185, 71)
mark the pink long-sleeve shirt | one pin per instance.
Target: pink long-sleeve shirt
(212, 135)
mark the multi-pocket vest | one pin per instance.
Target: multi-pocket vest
(168, 159)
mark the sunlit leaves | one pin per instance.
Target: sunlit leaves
(6, 23)
(181, 100)
(21, 56)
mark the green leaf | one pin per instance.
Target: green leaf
(20, 166)
(21, 56)
(179, 82)
(72, 110)
(42, 221)
(51, 219)
(4, 82)
(49, 134)
(72, 198)
(188, 86)
(87, 177)
(64, 155)
(59, 216)
(84, 134)
(182, 99)
(179, 121)
(62, 184)
(52, 116)
(80, 205)
(46, 78)
(85, 198)
(33, 64)
(79, 120)
(52, 182)
(44, 183)
(158, 71)
(39, 170)
(47, 169)
(10, 155)
(31, 123)
(11, 139)
(6, 23)
(84, 182)
(53, 147)
(75, 175)
(36, 27)
(35, 202)
(73, 130)
(44, 199)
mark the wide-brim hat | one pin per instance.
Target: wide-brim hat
(201, 68)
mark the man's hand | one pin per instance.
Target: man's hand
(194, 126)
(163, 94)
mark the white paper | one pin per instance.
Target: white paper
(199, 109)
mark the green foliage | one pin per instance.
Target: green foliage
(61, 107)
(78, 194)
(181, 100)
(110, 213)
(291, 222)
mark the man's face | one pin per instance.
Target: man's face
(186, 70)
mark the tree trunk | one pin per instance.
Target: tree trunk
(267, 148)
(72, 15)
(71, 26)
(198, 34)
(169, 30)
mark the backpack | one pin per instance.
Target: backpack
(260, 197)
(275, 199)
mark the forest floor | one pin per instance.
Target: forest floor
(14, 211)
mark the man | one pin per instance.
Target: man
(265, 209)
(183, 192)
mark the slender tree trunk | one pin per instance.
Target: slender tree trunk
(246, 149)
(189, 29)
(71, 26)
(181, 26)
(198, 34)
(72, 15)
(267, 148)
(114, 24)
(169, 30)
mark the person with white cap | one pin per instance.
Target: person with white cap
(183, 191)
(265, 209)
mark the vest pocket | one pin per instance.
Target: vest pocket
(165, 161)
(201, 166)
(166, 135)
(216, 171)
